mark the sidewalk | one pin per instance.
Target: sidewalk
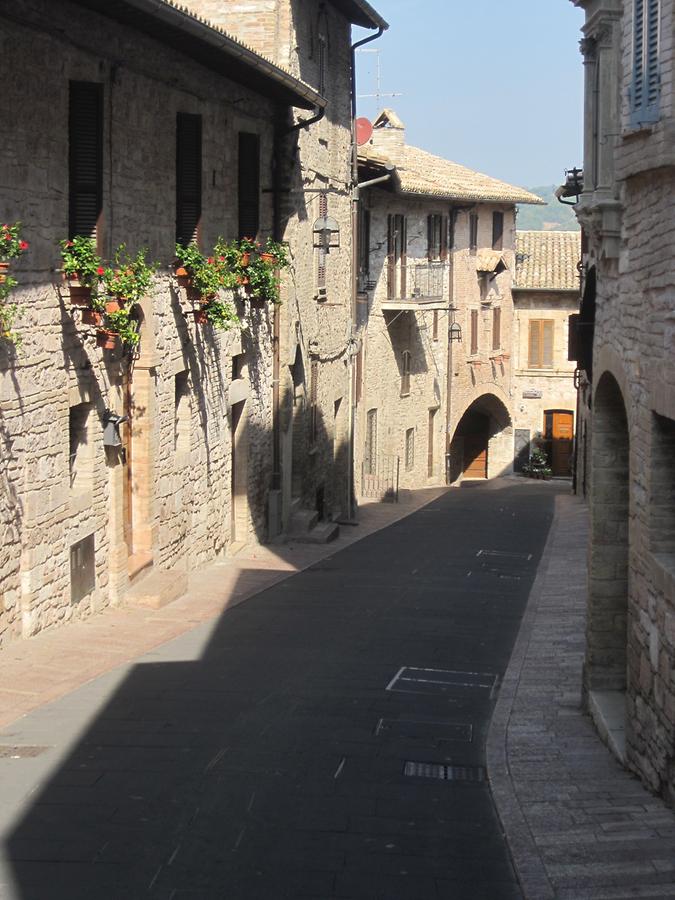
(578, 825)
(57, 661)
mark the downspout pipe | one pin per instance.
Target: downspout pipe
(351, 497)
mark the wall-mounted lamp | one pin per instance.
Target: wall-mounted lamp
(326, 233)
(455, 329)
(111, 424)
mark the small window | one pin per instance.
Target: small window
(183, 414)
(249, 184)
(540, 344)
(496, 328)
(370, 452)
(82, 569)
(497, 230)
(437, 237)
(410, 449)
(474, 332)
(397, 242)
(188, 177)
(434, 327)
(473, 231)
(85, 151)
(405, 373)
(80, 456)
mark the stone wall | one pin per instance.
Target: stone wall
(179, 492)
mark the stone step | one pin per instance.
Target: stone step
(159, 588)
(322, 533)
(302, 520)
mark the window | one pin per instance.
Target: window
(313, 402)
(370, 454)
(82, 569)
(396, 257)
(662, 489)
(473, 231)
(646, 81)
(540, 345)
(188, 177)
(249, 184)
(437, 230)
(496, 328)
(497, 230)
(405, 373)
(409, 449)
(430, 444)
(364, 245)
(434, 327)
(80, 454)
(85, 158)
(474, 332)
(321, 252)
(182, 419)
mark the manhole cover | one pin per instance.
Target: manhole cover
(9, 752)
(443, 773)
(437, 731)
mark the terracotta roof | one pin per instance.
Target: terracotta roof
(547, 260)
(422, 173)
(489, 261)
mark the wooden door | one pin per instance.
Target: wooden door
(562, 435)
(475, 455)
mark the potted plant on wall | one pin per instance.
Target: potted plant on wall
(207, 277)
(262, 272)
(128, 280)
(12, 246)
(121, 325)
(82, 269)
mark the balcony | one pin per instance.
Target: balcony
(417, 284)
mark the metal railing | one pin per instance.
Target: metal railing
(418, 280)
(379, 478)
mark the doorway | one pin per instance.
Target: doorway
(475, 433)
(559, 437)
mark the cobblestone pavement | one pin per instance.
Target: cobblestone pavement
(579, 826)
(325, 739)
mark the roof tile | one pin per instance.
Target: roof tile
(547, 260)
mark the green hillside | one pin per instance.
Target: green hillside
(554, 217)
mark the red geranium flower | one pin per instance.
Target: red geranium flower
(100, 271)
(23, 245)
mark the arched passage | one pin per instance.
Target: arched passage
(481, 443)
(606, 647)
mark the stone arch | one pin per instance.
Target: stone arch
(481, 445)
(606, 629)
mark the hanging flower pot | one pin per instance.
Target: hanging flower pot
(4, 268)
(105, 339)
(183, 277)
(80, 294)
(200, 316)
(269, 258)
(92, 317)
(245, 259)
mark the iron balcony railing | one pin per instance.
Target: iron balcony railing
(418, 280)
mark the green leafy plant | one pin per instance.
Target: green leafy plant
(11, 243)
(221, 315)
(263, 280)
(280, 253)
(7, 284)
(122, 324)
(131, 276)
(208, 274)
(81, 262)
(8, 312)
(538, 459)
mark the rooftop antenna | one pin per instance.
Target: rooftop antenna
(378, 78)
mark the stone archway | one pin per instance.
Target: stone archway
(605, 669)
(481, 445)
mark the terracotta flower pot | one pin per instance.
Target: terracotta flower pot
(105, 339)
(245, 258)
(114, 304)
(242, 280)
(4, 268)
(80, 294)
(269, 258)
(200, 316)
(92, 317)
(183, 277)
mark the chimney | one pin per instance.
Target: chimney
(389, 135)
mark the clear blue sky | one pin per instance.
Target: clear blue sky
(494, 85)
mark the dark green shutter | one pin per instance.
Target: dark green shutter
(249, 184)
(188, 177)
(85, 138)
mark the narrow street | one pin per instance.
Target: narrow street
(327, 742)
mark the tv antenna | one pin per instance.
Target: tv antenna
(378, 78)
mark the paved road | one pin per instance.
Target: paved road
(277, 754)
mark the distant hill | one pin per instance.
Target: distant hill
(554, 217)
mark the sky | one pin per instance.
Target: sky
(493, 85)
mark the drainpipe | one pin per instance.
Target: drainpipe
(351, 499)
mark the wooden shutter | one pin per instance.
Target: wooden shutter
(652, 54)
(547, 344)
(85, 150)
(473, 231)
(573, 354)
(434, 327)
(637, 97)
(249, 184)
(497, 230)
(403, 244)
(444, 238)
(645, 86)
(474, 332)
(534, 344)
(430, 444)
(496, 328)
(188, 177)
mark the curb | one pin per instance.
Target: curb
(527, 862)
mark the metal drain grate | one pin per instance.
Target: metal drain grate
(443, 773)
(11, 752)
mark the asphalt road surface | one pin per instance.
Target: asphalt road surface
(323, 740)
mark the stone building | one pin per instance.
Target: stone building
(313, 453)
(132, 122)
(545, 295)
(626, 351)
(436, 262)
